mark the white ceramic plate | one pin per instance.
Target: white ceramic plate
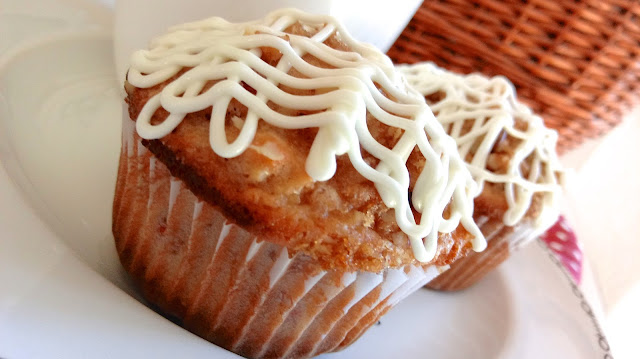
(64, 295)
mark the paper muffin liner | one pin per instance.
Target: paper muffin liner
(501, 241)
(231, 288)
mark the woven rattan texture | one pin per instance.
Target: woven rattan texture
(576, 63)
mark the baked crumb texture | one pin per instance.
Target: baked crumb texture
(509, 152)
(342, 223)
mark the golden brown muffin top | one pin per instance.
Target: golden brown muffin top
(508, 149)
(280, 186)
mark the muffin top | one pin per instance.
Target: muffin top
(507, 148)
(306, 138)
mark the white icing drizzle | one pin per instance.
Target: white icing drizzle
(214, 50)
(492, 105)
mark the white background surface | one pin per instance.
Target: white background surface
(603, 204)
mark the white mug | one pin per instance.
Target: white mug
(378, 22)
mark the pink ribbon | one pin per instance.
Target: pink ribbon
(562, 240)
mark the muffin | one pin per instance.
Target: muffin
(511, 155)
(280, 187)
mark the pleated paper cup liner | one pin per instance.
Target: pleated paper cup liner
(502, 240)
(222, 283)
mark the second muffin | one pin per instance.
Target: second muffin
(509, 152)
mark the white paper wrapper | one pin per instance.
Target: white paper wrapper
(229, 287)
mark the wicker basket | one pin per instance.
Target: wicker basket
(576, 63)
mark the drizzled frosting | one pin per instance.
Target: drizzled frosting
(214, 50)
(480, 112)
